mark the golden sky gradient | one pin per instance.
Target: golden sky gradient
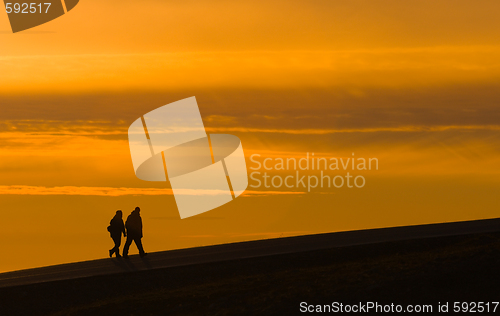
(413, 83)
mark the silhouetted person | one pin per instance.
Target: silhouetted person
(134, 232)
(116, 228)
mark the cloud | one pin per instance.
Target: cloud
(388, 68)
(23, 129)
(63, 128)
(110, 191)
(404, 129)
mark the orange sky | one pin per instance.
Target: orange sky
(413, 83)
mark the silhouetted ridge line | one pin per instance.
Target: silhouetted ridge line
(242, 250)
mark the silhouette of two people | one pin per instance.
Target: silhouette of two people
(132, 230)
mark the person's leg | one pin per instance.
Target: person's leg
(115, 249)
(118, 242)
(138, 243)
(127, 246)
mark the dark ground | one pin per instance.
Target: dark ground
(431, 270)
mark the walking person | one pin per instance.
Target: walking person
(116, 228)
(134, 232)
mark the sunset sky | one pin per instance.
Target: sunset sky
(413, 83)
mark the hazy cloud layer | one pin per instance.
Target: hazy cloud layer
(113, 192)
(297, 109)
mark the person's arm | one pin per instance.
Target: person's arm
(140, 225)
(123, 229)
